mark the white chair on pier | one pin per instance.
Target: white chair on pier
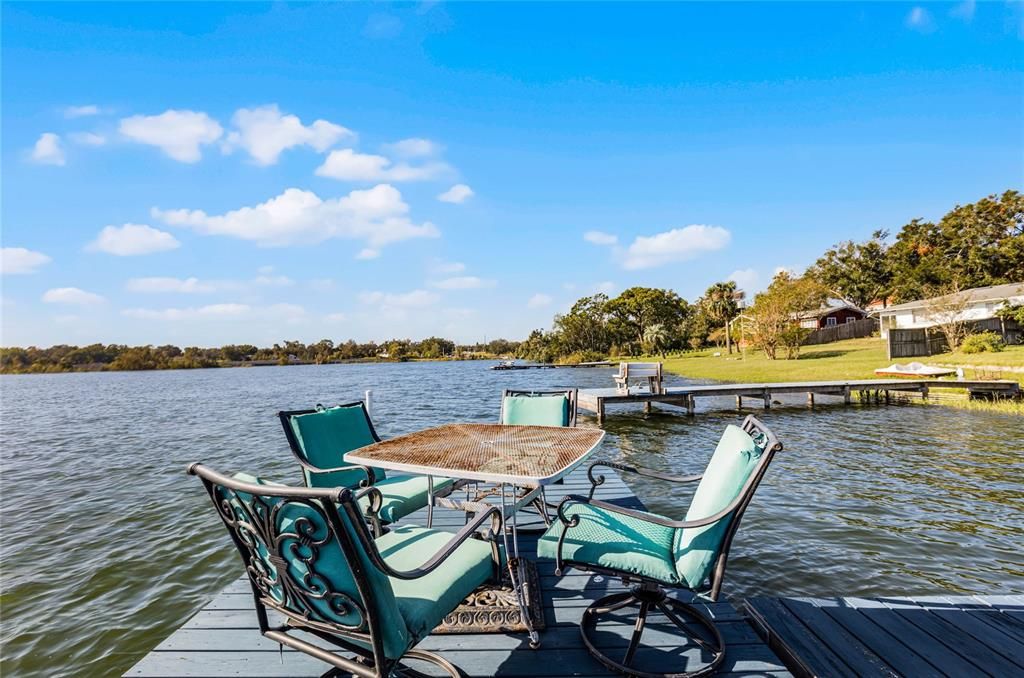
(649, 372)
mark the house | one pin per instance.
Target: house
(980, 303)
(833, 312)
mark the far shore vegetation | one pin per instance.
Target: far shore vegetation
(973, 245)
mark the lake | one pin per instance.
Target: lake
(107, 546)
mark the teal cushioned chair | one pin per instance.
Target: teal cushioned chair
(538, 408)
(310, 556)
(319, 439)
(654, 552)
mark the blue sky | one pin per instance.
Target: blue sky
(205, 174)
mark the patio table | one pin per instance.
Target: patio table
(520, 460)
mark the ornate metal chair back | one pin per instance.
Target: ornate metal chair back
(304, 550)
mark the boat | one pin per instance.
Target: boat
(508, 365)
(914, 369)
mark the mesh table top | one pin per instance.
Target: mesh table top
(521, 455)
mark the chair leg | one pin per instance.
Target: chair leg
(647, 597)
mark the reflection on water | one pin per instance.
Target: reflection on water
(107, 545)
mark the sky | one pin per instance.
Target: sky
(203, 174)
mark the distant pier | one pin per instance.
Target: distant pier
(868, 390)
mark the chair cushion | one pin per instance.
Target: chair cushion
(615, 541)
(325, 436)
(734, 460)
(425, 601)
(403, 495)
(546, 410)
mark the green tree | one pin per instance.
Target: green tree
(719, 305)
(858, 273)
(973, 245)
(774, 313)
(637, 308)
(585, 327)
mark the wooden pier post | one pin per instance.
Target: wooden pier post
(600, 411)
(846, 395)
(924, 392)
(647, 406)
(739, 402)
(767, 400)
(691, 404)
(810, 399)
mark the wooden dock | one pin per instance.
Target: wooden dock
(223, 639)
(879, 390)
(916, 636)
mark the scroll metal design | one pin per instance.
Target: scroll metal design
(282, 541)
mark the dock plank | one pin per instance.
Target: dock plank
(223, 638)
(922, 635)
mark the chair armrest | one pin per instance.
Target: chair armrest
(370, 479)
(492, 514)
(596, 481)
(573, 521)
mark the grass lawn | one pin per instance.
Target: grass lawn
(851, 359)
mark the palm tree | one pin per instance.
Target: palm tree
(720, 304)
(656, 336)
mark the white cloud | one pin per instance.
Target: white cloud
(368, 253)
(439, 266)
(81, 111)
(919, 19)
(679, 244)
(413, 148)
(158, 285)
(179, 134)
(210, 311)
(71, 295)
(264, 133)
(131, 240)
(411, 299)
(465, 282)
(746, 279)
(538, 300)
(378, 216)
(606, 287)
(457, 194)
(600, 238)
(48, 150)
(88, 138)
(348, 165)
(20, 261)
(193, 285)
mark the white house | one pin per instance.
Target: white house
(982, 304)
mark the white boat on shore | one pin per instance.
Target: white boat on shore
(914, 369)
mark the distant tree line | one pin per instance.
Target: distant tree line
(64, 358)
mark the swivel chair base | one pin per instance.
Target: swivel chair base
(650, 597)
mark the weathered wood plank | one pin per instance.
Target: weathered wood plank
(898, 655)
(977, 653)
(793, 641)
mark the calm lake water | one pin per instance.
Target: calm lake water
(107, 546)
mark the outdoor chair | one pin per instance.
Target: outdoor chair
(653, 553)
(310, 557)
(320, 437)
(539, 408)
